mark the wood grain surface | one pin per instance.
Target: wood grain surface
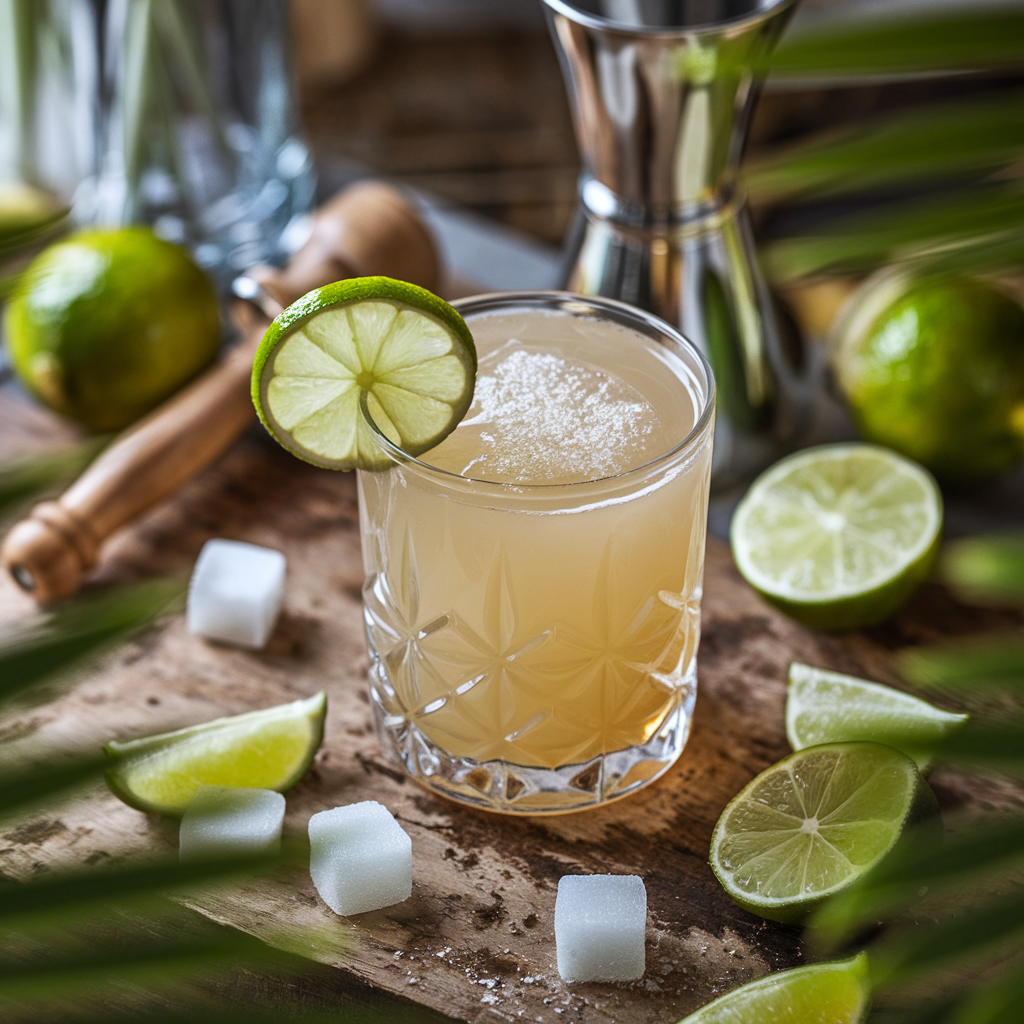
(476, 939)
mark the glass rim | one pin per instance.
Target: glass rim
(489, 301)
(596, 21)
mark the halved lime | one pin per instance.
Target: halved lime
(813, 823)
(834, 993)
(269, 749)
(838, 536)
(398, 348)
(827, 707)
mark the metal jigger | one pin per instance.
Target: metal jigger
(661, 94)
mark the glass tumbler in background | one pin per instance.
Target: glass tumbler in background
(177, 113)
(532, 598)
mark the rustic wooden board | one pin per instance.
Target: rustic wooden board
(475, 940)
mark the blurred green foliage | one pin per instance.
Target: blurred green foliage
(966, 155)
(966, 940)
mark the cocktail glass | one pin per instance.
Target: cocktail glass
(533, 632)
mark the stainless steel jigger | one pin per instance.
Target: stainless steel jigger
(661, 94)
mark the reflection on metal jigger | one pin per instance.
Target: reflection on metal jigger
(661, 93)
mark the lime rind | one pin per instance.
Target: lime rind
(838, 536)
(837, 992)
(814, 823)
(931, 366)
(828, 707)
(105, 324)
(359, 357)
(267, 749)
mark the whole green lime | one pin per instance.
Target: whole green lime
(106, 324)
(24, 212)
(938, 374)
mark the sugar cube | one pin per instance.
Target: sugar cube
(235, 593)
(360, 858)
(599, 927)
(222, 821)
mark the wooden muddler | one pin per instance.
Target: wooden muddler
(368, 229)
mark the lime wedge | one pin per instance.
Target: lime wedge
(826, 707)
(269, 749)
(398, 348)
(813, 823)
(839, 536)
(837, 993)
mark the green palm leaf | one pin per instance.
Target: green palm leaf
(155, 965)
(904, 231)
(29, 476)
(996, 1002)
(35, 652)
(980, 849)
(970, 230)
(961, 937)
(997, 748)
(989, 569)
(992, 662)
(930, 41)
(924, 144)
(27, 784)
(68, 896)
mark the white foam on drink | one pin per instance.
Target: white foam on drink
(228, 820)
(360, 858)
(599, 927)
(539, 417)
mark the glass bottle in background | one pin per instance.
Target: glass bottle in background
(177, 113)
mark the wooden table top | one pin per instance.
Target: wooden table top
(476, 940)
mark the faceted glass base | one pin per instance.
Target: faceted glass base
(518, 789)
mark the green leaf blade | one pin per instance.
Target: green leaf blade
(30, 476)
(24, 785)
(988, 569)
(925, 144)
(985, 662)
(900, 232)
(33, 653)
(964, 40)
(920, 951)
(916, 868)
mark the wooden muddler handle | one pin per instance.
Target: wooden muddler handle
(368, 229)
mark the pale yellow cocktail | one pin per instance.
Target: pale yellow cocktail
(533, 583)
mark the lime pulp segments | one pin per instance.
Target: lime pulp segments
(838, 536)
(397, 349)
(814, 823)
(827, 707)
(269, 749)
(831, 993)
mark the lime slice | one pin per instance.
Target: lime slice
(826, 707)
(813, 823)
(837, 993)
(839, 536)
(269, 749)
(397, 348)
